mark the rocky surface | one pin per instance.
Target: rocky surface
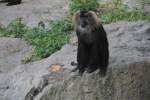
(127, 77)
(138, 4)
(133, 4)
(33, 11)
(128, 73)
(12, 52)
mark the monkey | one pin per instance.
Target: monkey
(11, 2)
(93, 46)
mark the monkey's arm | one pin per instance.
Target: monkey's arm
(82, 54)
(82, 57)
(104, 50)
(105, 59)
(105, 46)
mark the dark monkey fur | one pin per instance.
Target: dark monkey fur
(93, 47)
(12, 2)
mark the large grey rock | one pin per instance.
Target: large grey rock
(12, 52)
(127, 77)
(128, 73)
(134, 4)
(33, 11)
(138, 4)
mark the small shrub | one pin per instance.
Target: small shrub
(117, 3)
(16, 28)
(123, 14)
(45, 41)
(76, 5)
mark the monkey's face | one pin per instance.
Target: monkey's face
(85, 20)
(82, 19)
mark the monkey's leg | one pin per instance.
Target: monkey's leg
(93, 64)
(104, 60)
(82, 57)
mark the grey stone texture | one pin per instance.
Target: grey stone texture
(127, 77)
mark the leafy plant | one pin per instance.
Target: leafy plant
(123, 14)
(117, 3)
(76, 5)
(45, 41)
(16, 28)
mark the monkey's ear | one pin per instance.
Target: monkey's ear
(91, 13)
(77, 12)
(76, 16)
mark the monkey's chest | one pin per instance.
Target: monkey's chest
(86, 38)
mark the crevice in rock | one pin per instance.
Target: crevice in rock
(34, 91)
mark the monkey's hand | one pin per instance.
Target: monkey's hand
(73, 63)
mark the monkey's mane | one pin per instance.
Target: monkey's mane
(95, 20)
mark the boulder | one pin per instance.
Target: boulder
(12, 52)
(128, 73)
(51, 78)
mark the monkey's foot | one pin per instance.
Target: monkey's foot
(91, 69)
(81, 72)
(75, 69)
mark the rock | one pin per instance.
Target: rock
(134, 4)
(127, 77)
(12, 51)
(138, 4)
(34, 11)
(128, 74)
(131, 4)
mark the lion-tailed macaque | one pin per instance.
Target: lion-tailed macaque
(93, 47)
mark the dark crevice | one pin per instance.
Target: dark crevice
(36, 90)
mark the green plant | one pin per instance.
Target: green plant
(117, 3)
(45, 41)
(76, 5)
(123, 13)
(16, 28)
